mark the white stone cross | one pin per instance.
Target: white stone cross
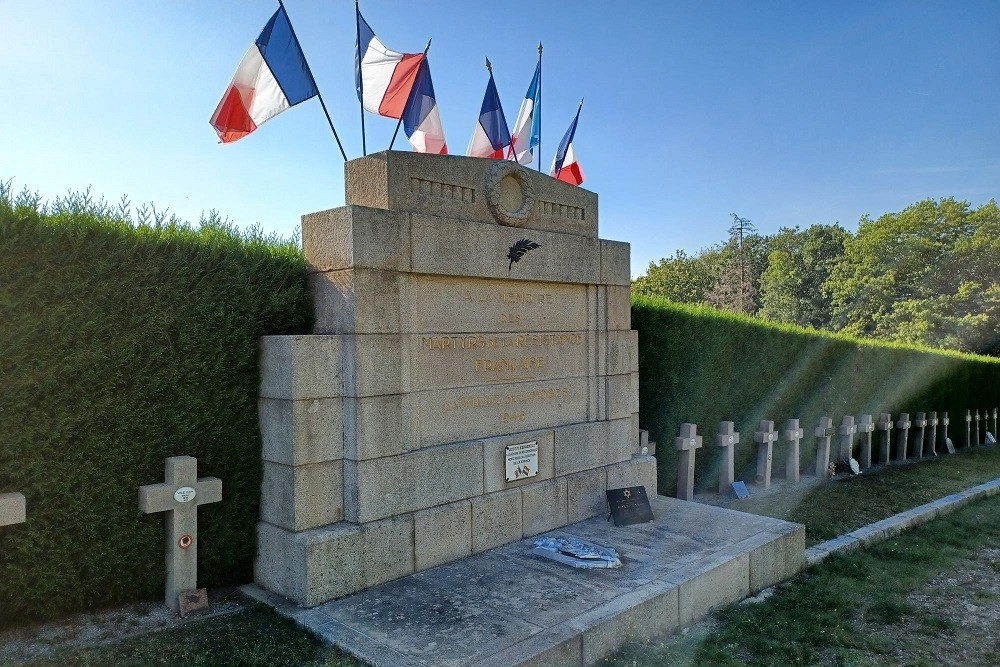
(824, 432)
(903, 424)
(977, 440)
(995, 422)
(765, 438)
(13, 509)
(180, 496)
(865, 428)
(884, 425)
(968, 428)
(687, 444)
(932, 421)
(921, 423)
(846, 432)
(727, 439)
(947, 441)
(793, 434)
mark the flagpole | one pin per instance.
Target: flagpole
(426, 49)
(322, 103)
(361, 82)
(539, 107)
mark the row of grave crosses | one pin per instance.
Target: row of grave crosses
(688, 442)
(179, 496)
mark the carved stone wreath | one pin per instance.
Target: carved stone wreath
(509, 194)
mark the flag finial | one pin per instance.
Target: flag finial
(539, 49)
(489, 65)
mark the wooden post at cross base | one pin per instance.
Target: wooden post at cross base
(918, 444)
(180, 496)
(968, 428)
(793, 434)
(885, 425)
(950, 448)
(13, 509)
(932, 421)
(727, 439)
(903, 439)
(846, 438)
(824, 433)
(865, 428)
(688, 442)
(765, 438)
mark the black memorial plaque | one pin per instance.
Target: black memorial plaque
(629, 505)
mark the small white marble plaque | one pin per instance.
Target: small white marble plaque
(185, 494)
(522, 460)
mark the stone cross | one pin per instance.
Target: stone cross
(180, 496)
(995, 424)
(687, 444)
(932, 421)
(884, 425)
(846, 432)
(865, 428)
(902, 442)
(921, 423)
(977, 441)
(824, 433)
(968, 428)
(947, 441)
(793, 434)
(727, 439)
(13, 509)
(765, 438)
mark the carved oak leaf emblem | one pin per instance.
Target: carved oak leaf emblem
(517, 251)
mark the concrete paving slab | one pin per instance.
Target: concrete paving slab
(509, 607)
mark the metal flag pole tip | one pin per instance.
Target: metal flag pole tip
(489, 65)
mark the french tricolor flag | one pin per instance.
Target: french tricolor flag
(491, 138)
(421, 118)
(384, 78)
(564, 165)
(527, 127)
(273, 76)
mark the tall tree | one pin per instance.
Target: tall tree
(680, 278)
(735, 284)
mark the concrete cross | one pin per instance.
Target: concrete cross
(793, 434)
(902, 441)
(13, 509)
(865, 428)
(932, 421)
(727, 439)
(180, 496)
(846, 432)
(968, 428)
(995, 423)
(977, 439)
(687, 444)
(765, 438)
(921, 423)
(824, 432)
(947, 441)
(885, 425)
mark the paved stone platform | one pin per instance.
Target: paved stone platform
(508, 607)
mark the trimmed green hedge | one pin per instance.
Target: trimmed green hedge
(701, 365)
(122, 344)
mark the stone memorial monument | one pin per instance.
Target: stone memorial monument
(687, 443)
(794, 435)
(13, 509)
(179, 496)
(824, 433)
(727, 440)
(921, 423)
(932, 421)
(865, 428)
(885, 425)
(765, 438)
(472, 376)
(902, 440)
(846, 438)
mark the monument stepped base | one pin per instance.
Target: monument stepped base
(508, 607)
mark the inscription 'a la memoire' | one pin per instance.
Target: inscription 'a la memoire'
(487, 342)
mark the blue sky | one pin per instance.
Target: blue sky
(787, 113)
